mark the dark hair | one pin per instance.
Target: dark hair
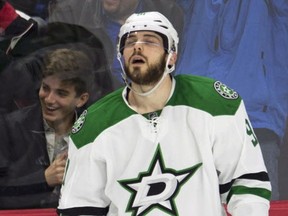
(72, 67)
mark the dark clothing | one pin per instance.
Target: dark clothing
(12, 25)
(20, 81)
(32, 7)
(23, 161)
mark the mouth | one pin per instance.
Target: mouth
(50, 109)
(111, 2)
(137, 60)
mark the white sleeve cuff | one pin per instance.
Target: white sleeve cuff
(251, 209)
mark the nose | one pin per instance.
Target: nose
(138, 45)
(50, 98)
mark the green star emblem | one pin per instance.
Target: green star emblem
(157, 187)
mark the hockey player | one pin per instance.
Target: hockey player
(163, 145)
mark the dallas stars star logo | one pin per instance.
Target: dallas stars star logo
(156, 188)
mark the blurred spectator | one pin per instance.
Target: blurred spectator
(20, 71)
(111, 15)
(248, 52)
(34, 139)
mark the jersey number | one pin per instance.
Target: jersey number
(251, 133)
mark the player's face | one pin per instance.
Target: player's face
(144, 57)
(119, 8)
(59, 101)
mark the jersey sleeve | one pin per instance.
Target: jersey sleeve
(83, 189)
(243, 179)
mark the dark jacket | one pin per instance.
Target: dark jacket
(23, 160)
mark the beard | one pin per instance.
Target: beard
(151, 76)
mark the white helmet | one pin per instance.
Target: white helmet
(149, 21)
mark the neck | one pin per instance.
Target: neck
(153, 102)
(62, 127)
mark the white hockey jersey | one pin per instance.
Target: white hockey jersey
(189, 158)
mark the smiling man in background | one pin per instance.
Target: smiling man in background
(34, 139)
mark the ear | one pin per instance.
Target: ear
(173, 58)
(82, 100)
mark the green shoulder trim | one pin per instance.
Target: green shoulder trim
(205, 94)
(101, 115)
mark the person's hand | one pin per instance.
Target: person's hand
(54, 173)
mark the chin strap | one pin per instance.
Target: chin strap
(167, 71)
